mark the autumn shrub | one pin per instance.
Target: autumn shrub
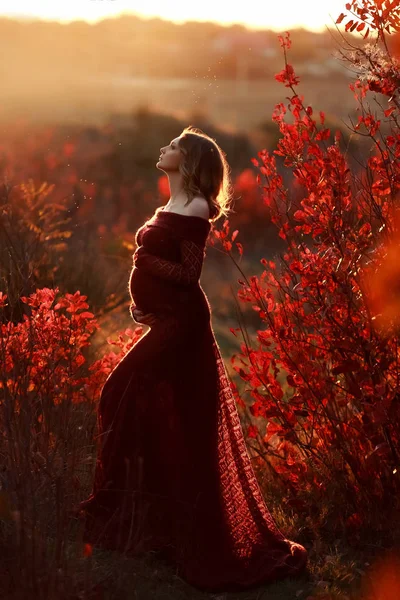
(323, 373)
(42, 244)
(48, 399)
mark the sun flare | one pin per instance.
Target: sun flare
(256, 14)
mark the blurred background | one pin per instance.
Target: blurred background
(91, 91)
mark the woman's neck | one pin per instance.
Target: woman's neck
(181, 202)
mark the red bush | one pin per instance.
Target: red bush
(325, 375)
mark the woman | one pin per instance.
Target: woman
(173, 473)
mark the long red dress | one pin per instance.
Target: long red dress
(173, 473)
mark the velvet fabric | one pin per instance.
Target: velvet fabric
(173, 473)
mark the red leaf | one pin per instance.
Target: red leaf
(87, 315)
(365, 229)
(296, 399)
(87, 550)
(389, 111)
(272, 412)
(243, 374)
(300, 215)
(227, 246)
(252, 431)
(240, 248)
(340, 18)
(272, 428)
(290, 381)
(324, 134)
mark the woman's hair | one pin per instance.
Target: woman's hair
(205, 171)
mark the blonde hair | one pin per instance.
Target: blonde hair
(205, 171)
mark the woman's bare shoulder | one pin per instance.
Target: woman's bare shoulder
(198, 207)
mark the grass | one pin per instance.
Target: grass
(337, 568)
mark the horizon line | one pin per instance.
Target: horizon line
(94, 21)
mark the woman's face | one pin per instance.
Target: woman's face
(170, 156)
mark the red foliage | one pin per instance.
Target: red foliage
(326, 373)
(42, 356)
(87, 550)
(378, 15)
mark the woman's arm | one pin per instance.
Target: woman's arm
(186, 272)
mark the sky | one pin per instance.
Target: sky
(278, 15)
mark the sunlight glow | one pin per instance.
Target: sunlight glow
(254, 14)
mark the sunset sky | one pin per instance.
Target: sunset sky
(259, 14)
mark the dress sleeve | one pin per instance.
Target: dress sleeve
(186, 272)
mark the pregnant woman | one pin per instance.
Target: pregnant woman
(173, 474)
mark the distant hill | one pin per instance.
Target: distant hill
(82, 72)
(129, 45)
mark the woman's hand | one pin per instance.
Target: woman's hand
(141, 317)
(140, 250)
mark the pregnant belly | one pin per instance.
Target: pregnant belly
(156, 295)
(153, 294)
